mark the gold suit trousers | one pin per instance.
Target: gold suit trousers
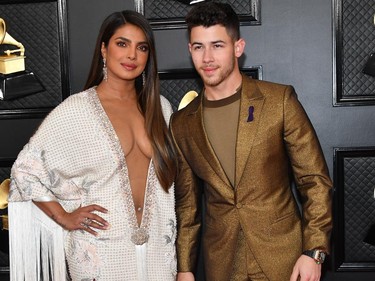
(245, 266)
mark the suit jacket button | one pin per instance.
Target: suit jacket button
(239, 205)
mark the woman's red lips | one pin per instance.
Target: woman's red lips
(129, 66)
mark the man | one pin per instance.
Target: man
(236, 143)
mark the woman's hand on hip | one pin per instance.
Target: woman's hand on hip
(84, 219)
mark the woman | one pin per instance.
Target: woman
(101, 166)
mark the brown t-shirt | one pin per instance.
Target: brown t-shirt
(220, 118)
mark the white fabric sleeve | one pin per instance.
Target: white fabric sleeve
(29, 176)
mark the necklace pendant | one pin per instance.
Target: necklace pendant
(139, 236)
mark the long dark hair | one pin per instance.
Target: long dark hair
(148, 93)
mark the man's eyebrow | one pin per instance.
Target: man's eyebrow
(212, 42)
(218, 41)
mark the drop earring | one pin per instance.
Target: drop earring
(105, 74)
(143, 78)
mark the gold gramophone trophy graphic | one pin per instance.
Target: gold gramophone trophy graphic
(15, 81)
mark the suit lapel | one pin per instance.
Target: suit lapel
(198, 133)
(251, 103)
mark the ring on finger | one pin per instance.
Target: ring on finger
(84, 225)
(87, 221)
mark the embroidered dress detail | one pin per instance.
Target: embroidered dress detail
(76, 159)
(140, 234)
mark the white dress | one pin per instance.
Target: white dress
(76, 158)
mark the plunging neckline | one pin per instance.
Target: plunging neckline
(140, 231)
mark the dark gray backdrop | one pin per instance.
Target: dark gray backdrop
(294, 45)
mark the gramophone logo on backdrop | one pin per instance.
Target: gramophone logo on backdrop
(15, 81)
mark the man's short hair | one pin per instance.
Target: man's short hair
(212, 13)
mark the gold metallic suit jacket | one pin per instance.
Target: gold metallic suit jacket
(276, 137)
